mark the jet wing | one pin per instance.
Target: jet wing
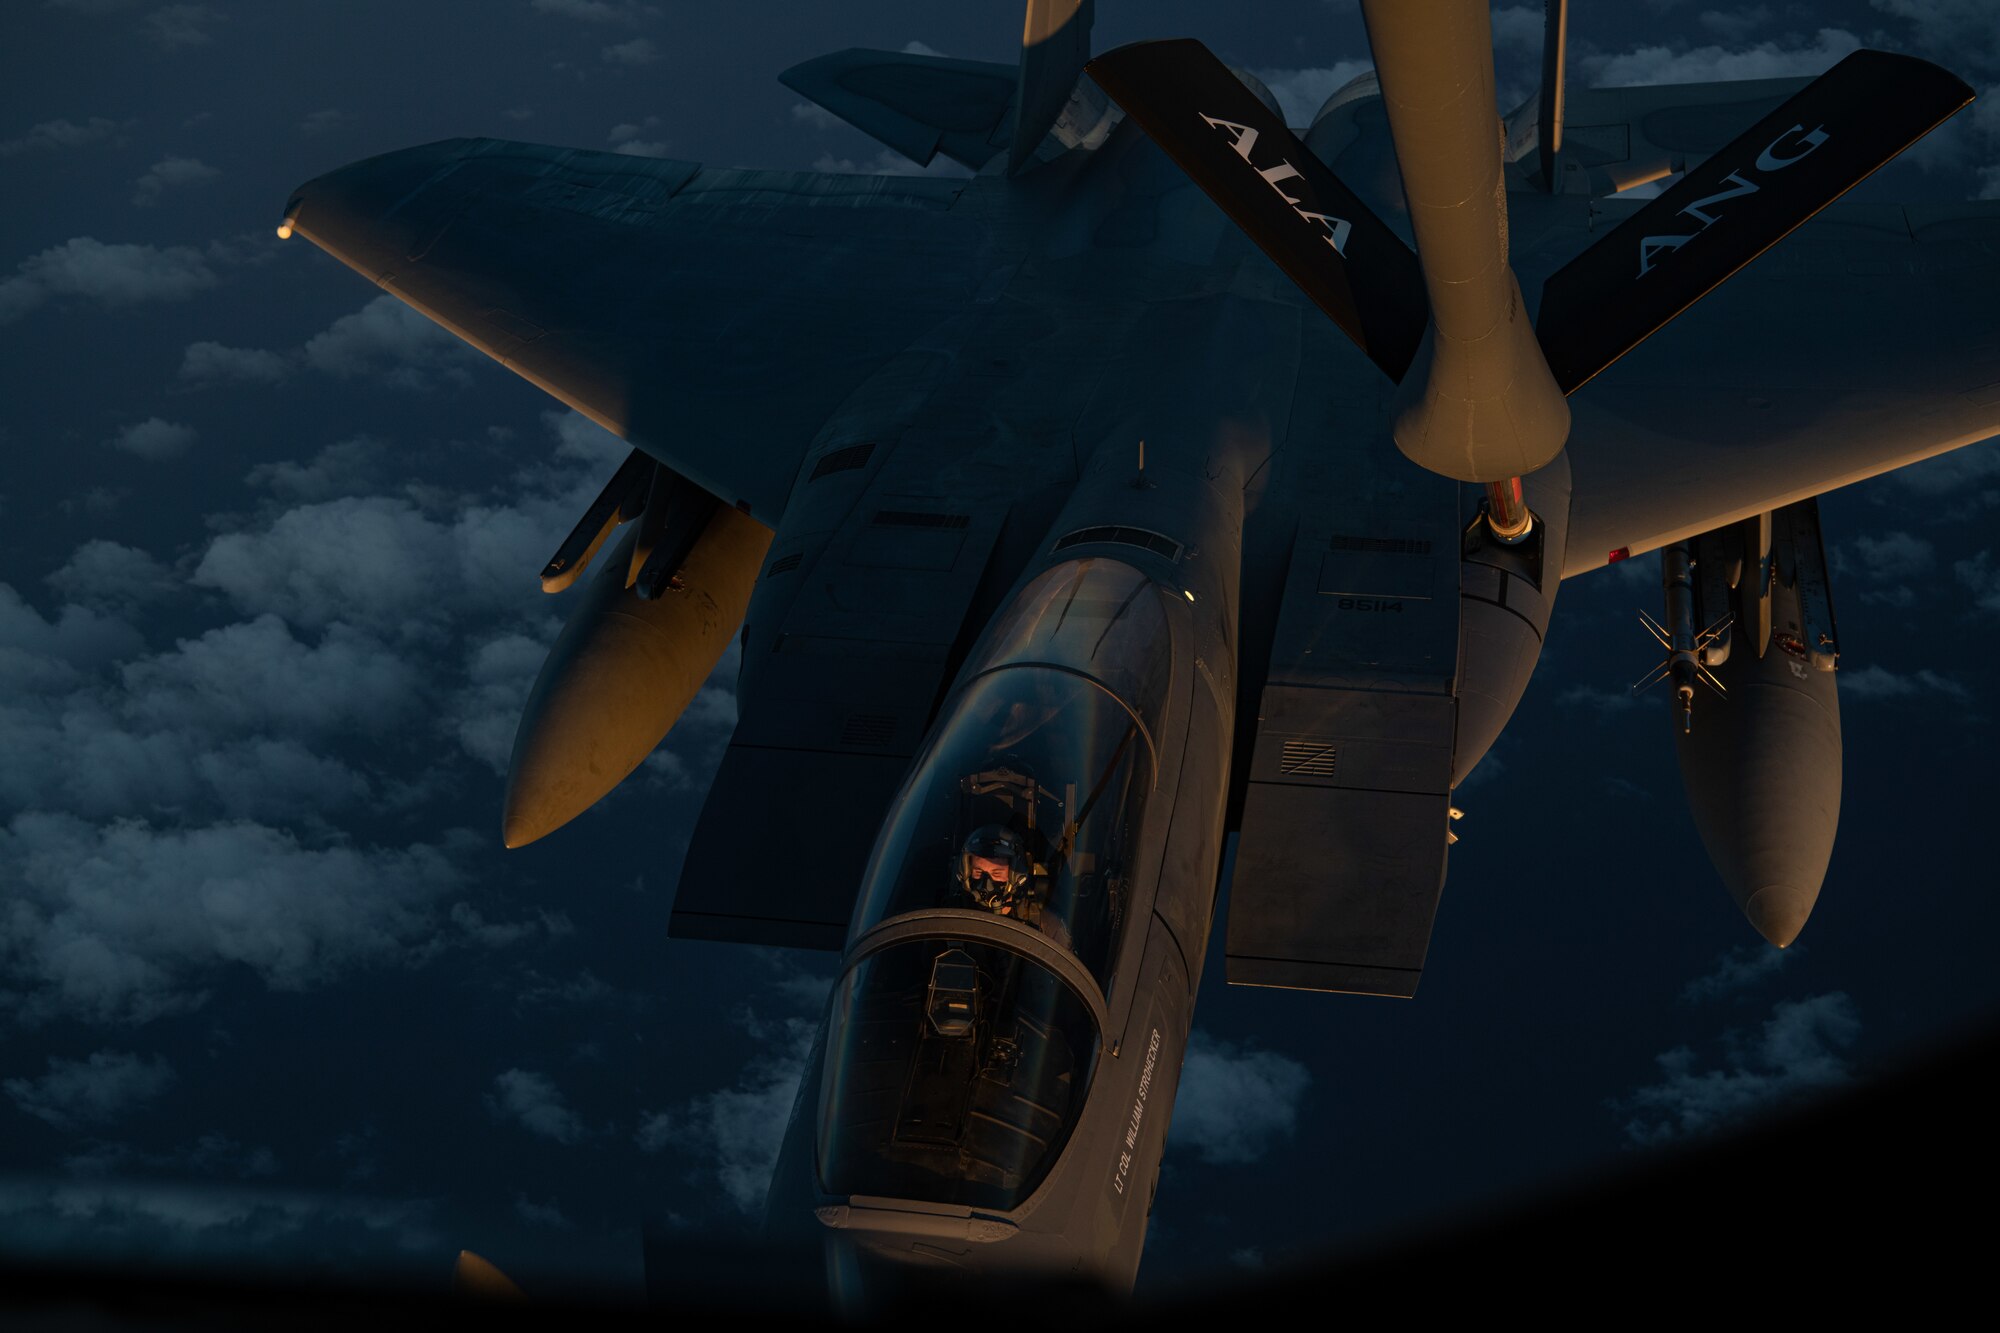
(1865, 341)
(712, 317)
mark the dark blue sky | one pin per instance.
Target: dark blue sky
(270, 990)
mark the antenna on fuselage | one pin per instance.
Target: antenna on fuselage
(1549, 110)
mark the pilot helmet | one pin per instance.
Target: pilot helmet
(992, 867)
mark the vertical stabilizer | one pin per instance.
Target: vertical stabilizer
(1055, 43)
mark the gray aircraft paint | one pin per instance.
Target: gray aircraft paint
(1016, 340)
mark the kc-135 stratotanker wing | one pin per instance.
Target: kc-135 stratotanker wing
(1176, 475)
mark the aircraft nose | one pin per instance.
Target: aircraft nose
(1779, 911)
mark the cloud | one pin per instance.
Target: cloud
(170, 173)
(531, 1101)
(255, 678)
(1301, 92)
(109, 576)
(1953, 474)
(638, 51)
(235, 1225)
(51, 135)
(388, 342)
(1740, 969)
(93, 1091)
(625, 139)
(594, 11)
(1981, 577)
(738, 1131)
(154, 438)
(1704, 64)
(383, 563)
(1234, 1101)
(127, 921)
(345, 467)
(325, 119)
(1601, 701)
(1874, 682)
(1797, 1053)
(915, 48)
(487, 712)
(815, 115)
(112, 275)
(541, 1214)
(580, 438)
(1895, 555)
(209, 363)
(1963, 29)
(888, 162)
(180, 27)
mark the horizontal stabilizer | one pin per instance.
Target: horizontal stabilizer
(919, 105)
(1297, 211)
(1724, 213)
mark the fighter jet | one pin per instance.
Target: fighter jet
(1177, 475)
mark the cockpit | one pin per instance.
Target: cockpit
(961, 1046)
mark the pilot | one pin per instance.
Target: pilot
(997, 872)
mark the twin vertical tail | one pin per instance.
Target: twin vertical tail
(1482, 392)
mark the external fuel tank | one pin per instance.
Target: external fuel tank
(1761, 761)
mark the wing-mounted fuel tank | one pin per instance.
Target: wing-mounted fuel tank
(1760, 755)
(647, 632)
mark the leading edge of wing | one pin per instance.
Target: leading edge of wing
(712, 317)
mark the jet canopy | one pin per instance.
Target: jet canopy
(961, 1043)
(1026, 803)
(955, 1071)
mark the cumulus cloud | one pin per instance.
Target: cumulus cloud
(345, 467)
(324, 119)
(154, 438)
(1965, 29)
(384, 563)
(96, 1090)
(916, 48)
(207, 363)
(1601, 701)
(815, 115)
(170, 173)
(127, 921)
(532, 1101)
(1981, 577)
(594, 11)
(1738, 970)
(387, 341)
(256, 677)
(112, 275)
(736, 1132)
(487, 711)
(1953, 474)
(888, 162)
(1875, 682)
(638, 51)
(1234, 1102)
(234, 1224)
(51, 135)
(1301, 92)
(1798, 1052)
(541, 1214)
(1703, 64)
(629, 139)
(180, 27)
(109, 576)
